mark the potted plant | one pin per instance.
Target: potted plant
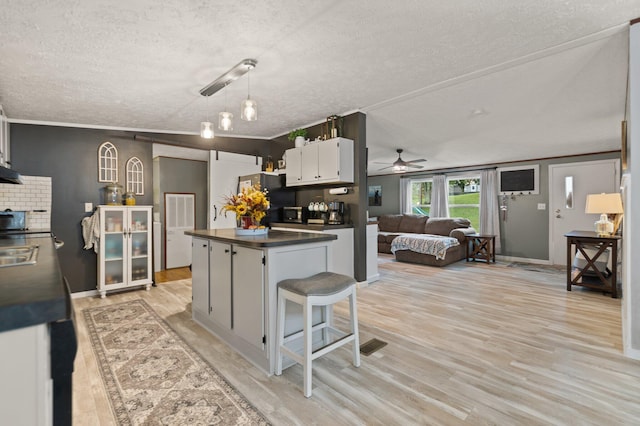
(298, 136)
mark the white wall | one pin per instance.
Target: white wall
(631, 289)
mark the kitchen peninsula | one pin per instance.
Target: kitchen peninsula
(234, 284)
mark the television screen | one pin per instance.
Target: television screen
(518, 180)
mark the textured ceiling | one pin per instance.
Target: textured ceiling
(547, 77)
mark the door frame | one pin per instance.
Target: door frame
(551, 168)
(164, 223)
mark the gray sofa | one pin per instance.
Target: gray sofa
(391, 226)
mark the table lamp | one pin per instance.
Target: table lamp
(605, 204)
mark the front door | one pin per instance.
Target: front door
(179, 217)
(569, 185)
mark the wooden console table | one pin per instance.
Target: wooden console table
(483, 247)
(599, 281)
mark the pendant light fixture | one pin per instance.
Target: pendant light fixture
(206, 127)
(225, 118)
(249, 107)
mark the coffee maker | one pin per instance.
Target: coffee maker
(336, 213)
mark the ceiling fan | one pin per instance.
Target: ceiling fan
(401, 166)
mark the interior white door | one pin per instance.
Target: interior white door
(179, 216)
(224, 170)
(569, 185)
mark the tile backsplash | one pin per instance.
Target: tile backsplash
(34, 197)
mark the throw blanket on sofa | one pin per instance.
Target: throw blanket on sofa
(435, 245)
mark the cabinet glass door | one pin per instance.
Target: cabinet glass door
(139, 236)
(114, 246)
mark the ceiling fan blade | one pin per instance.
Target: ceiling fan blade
(380, 162)
(416, 161)
(384, 168)
(414, 166)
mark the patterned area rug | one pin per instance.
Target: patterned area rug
(153, 377)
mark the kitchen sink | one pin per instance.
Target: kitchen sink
(18, 255)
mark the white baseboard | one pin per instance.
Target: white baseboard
(631, 353)
(522, 259)
(81, 294)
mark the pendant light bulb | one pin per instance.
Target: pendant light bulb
(225, 121)
(206, 127)
(206, 130)
(225, 118)
(249, 107)
(249, 110)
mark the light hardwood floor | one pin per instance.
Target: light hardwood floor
(467, 344)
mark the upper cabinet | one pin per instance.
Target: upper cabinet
(329, 161)
(4, 139)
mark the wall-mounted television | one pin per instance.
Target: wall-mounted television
(518, 180)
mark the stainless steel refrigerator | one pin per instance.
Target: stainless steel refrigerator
(279, 195)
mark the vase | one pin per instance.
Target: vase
(244, 222)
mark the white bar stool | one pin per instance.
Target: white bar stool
(323, 289)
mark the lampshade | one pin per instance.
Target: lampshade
(206, 130)
(604, 203)
(225, 121)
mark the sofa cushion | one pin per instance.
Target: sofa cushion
(389, 222)
(413, 223)
(444, 225)
(386, 237)
(461, 233)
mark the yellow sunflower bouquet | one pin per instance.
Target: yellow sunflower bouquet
(251, 203)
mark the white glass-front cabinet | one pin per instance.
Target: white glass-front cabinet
(125, 253)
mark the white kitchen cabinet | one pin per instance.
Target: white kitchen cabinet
(228, 290)
(26, 393)
(294, 166)
(324, 162)
(372, 253)
(125, 255)
(220, 283)
(200, 275)
(248, 295)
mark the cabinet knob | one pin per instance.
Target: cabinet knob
(226, 250)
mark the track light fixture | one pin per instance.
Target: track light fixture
(230, 76)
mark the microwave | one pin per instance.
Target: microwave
(294, 214)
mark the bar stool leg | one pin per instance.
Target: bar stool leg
(307, 312)
(282, 303)
(354, 327)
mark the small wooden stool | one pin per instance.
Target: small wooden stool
(323, 289)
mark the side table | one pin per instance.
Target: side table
(480, 247)
(597, 280)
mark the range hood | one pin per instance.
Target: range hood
(9, 176)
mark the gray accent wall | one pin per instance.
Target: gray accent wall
(525, 233)
(69, 157)
(175, 175)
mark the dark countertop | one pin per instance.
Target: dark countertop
(310, 227)
(273, 239)
(32, 294)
